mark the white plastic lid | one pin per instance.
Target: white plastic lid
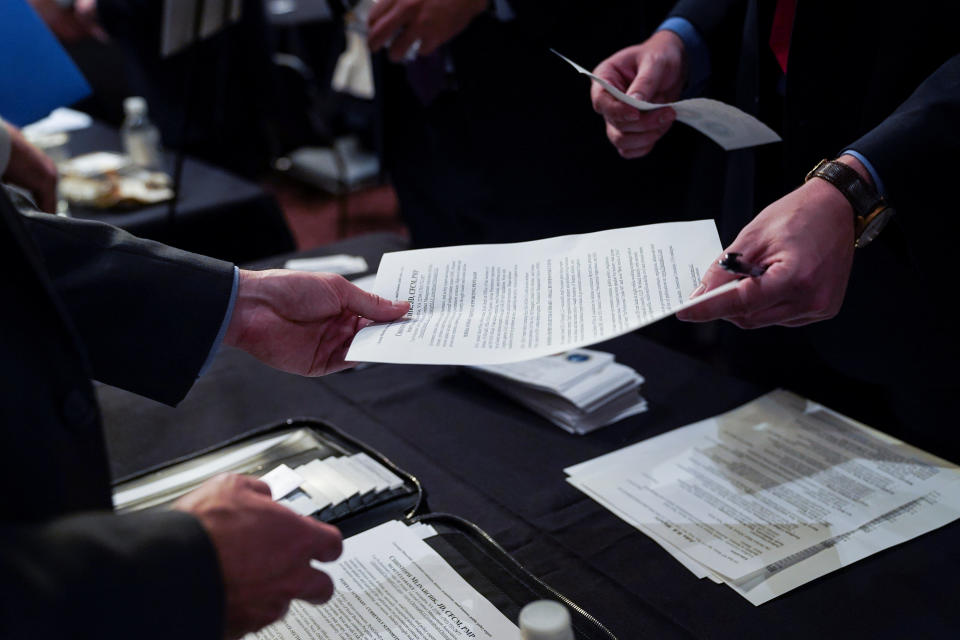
(545, 620)
(135, 105)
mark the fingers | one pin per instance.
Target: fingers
(637, 138)
(369, 305)
(387, 18)
(317, 587)
(603, 102)
(328, 542)
(256, 485)
(756, 302)
(404, 41)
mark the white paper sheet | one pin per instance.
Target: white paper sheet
(786, 438)
(390, 585)
(282, 481)
(726, 125)
(491, 304)
(340, 263)
(902, 524)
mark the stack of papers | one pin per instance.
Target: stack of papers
(580, 390)
(333, 485)
(774, 494)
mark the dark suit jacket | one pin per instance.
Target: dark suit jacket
(514, 150)
(883, 79)
(83, 300)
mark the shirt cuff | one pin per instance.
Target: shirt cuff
(697, 54)
(215, 347)
(5, 146)
(503, 11)
(877, 182)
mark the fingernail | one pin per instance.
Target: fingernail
(698, 291)
(638, 96)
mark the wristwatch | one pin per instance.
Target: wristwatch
(871, 211)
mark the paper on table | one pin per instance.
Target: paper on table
(861, 456)
(491, 304)
(554, 373)
(60, 120)
(909, 521)
(726, 125)
(389, 583)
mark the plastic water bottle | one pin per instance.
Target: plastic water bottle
(545, 620)
(141, 140)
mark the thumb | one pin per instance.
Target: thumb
(649, 79)
(370, 305)
(713, 277)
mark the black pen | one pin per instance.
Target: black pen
(731, 262)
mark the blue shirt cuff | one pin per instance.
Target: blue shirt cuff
(215, 347)
(877, 182)
(698, 56)
(503, 11)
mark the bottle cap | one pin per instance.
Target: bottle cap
(545, 620)
(135, 105)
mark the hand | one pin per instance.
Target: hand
(807, 239)
(32, 170)
(71, 24)
(432, 22)
(303, 322)
(264, 550)
(654, 71)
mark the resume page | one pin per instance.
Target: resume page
(492, 304)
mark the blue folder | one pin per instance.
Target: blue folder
(37, 75)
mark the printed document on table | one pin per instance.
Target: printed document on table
(499, 303)
(766, 483)
(391, 585)
(726, 125)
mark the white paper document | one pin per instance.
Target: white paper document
(340, 263)
(390, 585)
(726, 125)
(498, 303)
(774, 494)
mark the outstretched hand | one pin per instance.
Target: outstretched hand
(806, 241)
(302, 322)
(398, 24)
(654, 71)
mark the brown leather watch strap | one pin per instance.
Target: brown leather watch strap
(862, 197)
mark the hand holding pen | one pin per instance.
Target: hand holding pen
(796, 256)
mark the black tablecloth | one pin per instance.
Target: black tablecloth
(218, 214)
(484, 458)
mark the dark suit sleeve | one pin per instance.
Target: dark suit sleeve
(147, 575)
(915, 150)
(147, 314)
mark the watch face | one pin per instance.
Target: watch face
(874, 226)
